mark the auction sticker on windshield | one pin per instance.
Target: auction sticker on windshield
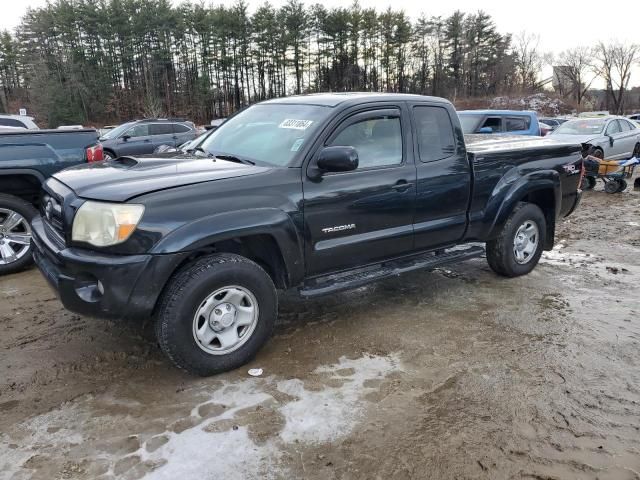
(295, 124)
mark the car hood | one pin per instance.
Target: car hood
(568, 138)
(128, 177)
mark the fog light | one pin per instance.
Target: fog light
(88, 288)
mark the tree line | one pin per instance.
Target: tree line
(103, 61)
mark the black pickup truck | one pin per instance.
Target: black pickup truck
(316, 193)
(27, 159)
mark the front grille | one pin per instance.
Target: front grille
(52, 211)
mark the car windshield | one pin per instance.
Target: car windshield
(469, 122)
(116, 132)
(592, 126)
(267, 133)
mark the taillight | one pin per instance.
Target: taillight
(95, 153)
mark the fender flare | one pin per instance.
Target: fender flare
(236, 224)
(23, 171)
(506, 196)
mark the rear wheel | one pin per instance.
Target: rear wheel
(216, 314)
(15, 233)
(518, 247)
(109, 155)
(612, 186)
(622, 185)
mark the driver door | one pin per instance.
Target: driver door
(135, 141)
(365, 215)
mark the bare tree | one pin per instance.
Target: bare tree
(614, 63)
(576, 67)
(528, 60)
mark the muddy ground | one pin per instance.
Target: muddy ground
(455, 373)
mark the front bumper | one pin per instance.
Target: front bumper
(100, 285)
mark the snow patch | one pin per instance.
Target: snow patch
(216, 440)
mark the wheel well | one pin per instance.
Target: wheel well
(545, 199)
(24, 186)
(262, 249)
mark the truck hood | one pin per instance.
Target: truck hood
(128, 177)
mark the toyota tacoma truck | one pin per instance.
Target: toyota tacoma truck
(316, 194)
(27, 159)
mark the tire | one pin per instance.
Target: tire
(15, 234)
(612, 186)
(501, 251)
(109, 155)
(200, 302)
(622, 185)
(598, 153)
(588, 183)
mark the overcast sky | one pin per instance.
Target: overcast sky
(561, 24)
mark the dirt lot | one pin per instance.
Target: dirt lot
(455, 373)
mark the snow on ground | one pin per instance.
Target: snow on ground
(240, 431)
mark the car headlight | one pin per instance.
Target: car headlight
(103, 224)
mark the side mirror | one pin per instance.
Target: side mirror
(334, 159)
(125, 137)
(338, 159)
(486, 130)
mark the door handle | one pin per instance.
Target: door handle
(402, 186)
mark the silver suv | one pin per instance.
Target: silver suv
(140, 137)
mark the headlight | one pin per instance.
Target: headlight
(103, 224)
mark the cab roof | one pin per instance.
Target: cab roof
(335, 99)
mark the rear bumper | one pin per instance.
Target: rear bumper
(99, 285)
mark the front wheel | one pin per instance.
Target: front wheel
(216, 314)
(518, 247)
(15, 233)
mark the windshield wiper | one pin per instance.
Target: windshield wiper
(233, 158)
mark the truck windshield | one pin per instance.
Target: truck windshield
(266, 134)
(470, 122)
(581, 127)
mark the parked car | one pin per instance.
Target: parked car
(553, 122)
(187, 147)
(612, 137)
(144, 136)
(499, 122)
(27, 159)
(317, 193)
(635, 117)
(19, 121)
(544, 129)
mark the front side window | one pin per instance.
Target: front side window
(494, 123)
(378, 141)
(141, 130)
(613, 128)
(517, 124)
(435, 133)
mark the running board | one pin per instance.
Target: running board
(357, 278)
